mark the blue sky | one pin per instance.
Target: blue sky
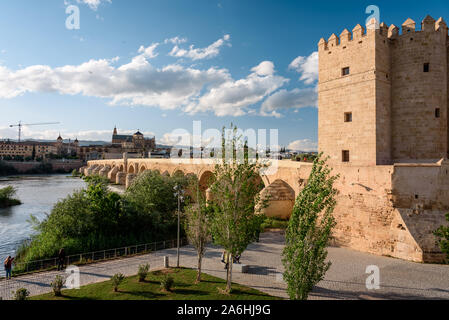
(158, 65)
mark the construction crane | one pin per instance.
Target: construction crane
(20, 125)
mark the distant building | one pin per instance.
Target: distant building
(26, 149)
(136, 145)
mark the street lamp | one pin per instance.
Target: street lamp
(179, 192)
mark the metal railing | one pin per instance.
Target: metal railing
(96, 256)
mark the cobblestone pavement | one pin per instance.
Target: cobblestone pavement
(345, 279)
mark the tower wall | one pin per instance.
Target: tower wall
(354, 93)
(417, 133)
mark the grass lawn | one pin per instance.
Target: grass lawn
(184, 288)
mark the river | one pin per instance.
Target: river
(38, 195)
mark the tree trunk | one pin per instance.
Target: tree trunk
(229, 273)
(198, 276)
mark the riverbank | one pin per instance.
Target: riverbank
(8, 168)
(6, 198)
(38, 194)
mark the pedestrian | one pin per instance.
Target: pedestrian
(225, 259)
(61, 259)
(8, 266)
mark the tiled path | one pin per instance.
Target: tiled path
(345, 279)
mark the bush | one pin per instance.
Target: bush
(143, 271)
(6, 197)
(274, 223)
(443, 238)
(57, 285)
(21, 294)
(117, 279)
(167, 283)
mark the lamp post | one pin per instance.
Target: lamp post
(179, 193)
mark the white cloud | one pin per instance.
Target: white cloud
(138, 82)
(148, 52)
(284, 99)
(307, 67)
(175, 40)
(200, 53)
(134, 83)
(232, 97)
(303, 145)
(265, 68)
(93, 4)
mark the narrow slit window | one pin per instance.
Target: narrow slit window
(426, 67)
(437, 113)
(348, 117)
(345, 71)
(345, 156)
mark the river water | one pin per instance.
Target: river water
(38, 195)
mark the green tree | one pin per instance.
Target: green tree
(235, 201)
(197, 222)
(309, 231)
(442, 233)
(152, 200)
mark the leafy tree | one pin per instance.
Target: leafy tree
(309, 231)
(443, 238)
(152, 201)
(235, 200)
(197, 223)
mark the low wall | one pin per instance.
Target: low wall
(68, 166)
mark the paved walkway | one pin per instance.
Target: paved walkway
(345, 279)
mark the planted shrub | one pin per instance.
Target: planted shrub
(167, 283)
(57, 285)
(143, 271)
(117, 279)
(21, 294)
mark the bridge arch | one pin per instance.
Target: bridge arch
(142, 169)
(132, 168)
(205, 180)
(281, 199)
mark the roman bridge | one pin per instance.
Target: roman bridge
(283, 185)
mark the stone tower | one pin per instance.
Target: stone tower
(383, 94)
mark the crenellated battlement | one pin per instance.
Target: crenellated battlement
(373, 27)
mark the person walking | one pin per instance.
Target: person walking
(61, 259)
(8, 267)
(225, 259)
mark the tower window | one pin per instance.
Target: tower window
(345, 71)
(426, 67)
(437, 113)
(348, 116)
(345, 156)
